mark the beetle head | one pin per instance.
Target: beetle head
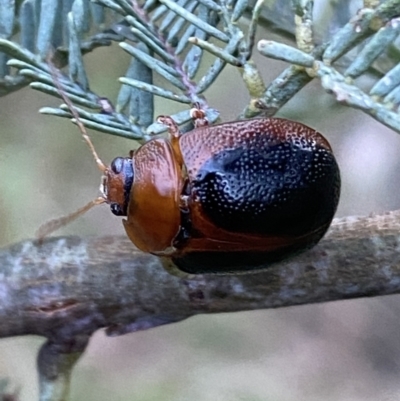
(116, 185)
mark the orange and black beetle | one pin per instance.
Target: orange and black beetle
(227, 198)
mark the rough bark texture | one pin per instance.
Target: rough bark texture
(67, 288)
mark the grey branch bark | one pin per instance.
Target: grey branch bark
(67, 288)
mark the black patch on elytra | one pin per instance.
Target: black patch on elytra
(283, 189)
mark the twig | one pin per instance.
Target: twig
(66, 287)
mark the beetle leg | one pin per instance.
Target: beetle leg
(171, 268)
(199, 117)
(173, 128)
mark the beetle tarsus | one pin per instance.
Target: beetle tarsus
(199, 117)
(173, 128)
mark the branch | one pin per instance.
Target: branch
(67, 288)
(70, 287)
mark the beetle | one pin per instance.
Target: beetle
(228, 198)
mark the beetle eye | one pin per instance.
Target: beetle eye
(117, 165)
(117, 209)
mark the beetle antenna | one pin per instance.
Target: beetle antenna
(53, 225)
(102, 167)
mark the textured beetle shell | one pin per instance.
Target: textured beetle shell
(269, 188)
(233, 197)
(261, 176)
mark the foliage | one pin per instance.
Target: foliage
(168, 39)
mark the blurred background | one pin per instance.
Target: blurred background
(347, 350)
